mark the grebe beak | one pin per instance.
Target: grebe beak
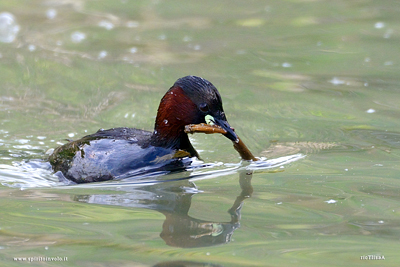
(230, 132)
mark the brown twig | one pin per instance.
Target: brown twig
(203, 128)
(239, 146)
(244, 152)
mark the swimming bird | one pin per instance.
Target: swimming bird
(125, 152)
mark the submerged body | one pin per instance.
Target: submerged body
(123, 152)
(114, 154)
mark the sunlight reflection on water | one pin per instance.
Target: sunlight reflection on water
(38, 173)
(8, 27)
(27, 175)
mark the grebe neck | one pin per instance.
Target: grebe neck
(175, 111)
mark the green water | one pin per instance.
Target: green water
(314, 80)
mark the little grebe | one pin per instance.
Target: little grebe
(123, 152)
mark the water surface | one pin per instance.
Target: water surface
(312, 86)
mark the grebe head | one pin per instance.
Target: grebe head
(191, 100)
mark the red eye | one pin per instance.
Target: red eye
(203, 107)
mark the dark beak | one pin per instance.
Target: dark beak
(230, 133)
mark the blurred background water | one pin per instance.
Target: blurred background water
(312, 86)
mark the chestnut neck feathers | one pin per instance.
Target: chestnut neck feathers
(188, 101)
(175, 111)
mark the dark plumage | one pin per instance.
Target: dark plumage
(123, 152)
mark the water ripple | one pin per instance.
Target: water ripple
(27, 175)
(200, 171)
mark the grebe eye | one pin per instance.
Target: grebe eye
(203, 107)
